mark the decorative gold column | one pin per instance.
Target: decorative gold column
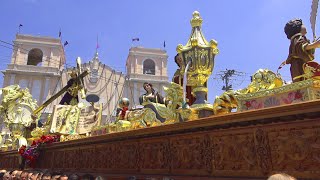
(200, 53)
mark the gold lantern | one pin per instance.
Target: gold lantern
(200, 54)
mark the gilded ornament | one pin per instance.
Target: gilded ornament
(71, 137)
(16, 109)
(196, 19)
(266, 90)
(198, 63)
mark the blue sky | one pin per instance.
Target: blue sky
(249, 32)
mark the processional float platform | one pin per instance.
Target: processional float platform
(253, 144)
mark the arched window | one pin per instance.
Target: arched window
(149, 67)
(34, 57)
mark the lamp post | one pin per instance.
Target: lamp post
(198, 62)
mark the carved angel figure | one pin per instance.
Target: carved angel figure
(17, 105)
(16, 109)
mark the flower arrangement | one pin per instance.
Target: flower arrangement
(31, 153)
(294, 96)
(253, 104)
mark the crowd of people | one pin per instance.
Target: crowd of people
(43, 175)
(56, 175)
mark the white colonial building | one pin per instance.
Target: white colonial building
(38, 62)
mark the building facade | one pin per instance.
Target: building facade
(102, 81)
(37, 63)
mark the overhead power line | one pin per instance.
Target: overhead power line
(228, 79)
(23, 50)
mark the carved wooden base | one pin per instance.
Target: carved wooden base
(251, 144)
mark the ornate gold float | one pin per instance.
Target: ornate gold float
(267, 90)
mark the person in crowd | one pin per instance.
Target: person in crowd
(99, 178)
(18, 175)
(13, 174)
(87, 177)
(73, 177)
(29, 175)
(46, 176)
(1, 175)
(281, 176)
(34, 176)
(39, 175)
(24, 175)
(7, 176)
(3, 171)
(55, 175)
(63, 177)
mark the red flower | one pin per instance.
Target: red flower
(34, 143)
(248, 104)
(49, 139)
(31, 153)
(56, 138)
(22, 149)
(29, 157)
(298, 95)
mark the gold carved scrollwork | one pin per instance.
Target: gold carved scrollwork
(264, 82)
(296, 149)
(200, 52)
(263, 150)
(203, 58)
(16, 109)
(224, 103)
(17, 103)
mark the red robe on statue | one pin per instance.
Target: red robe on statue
(179, 80)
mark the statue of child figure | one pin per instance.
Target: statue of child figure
(300, 50)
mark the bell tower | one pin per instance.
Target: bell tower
(36, 64)
(145, 65)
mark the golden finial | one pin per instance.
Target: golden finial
(196, 19)
(199, 54)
